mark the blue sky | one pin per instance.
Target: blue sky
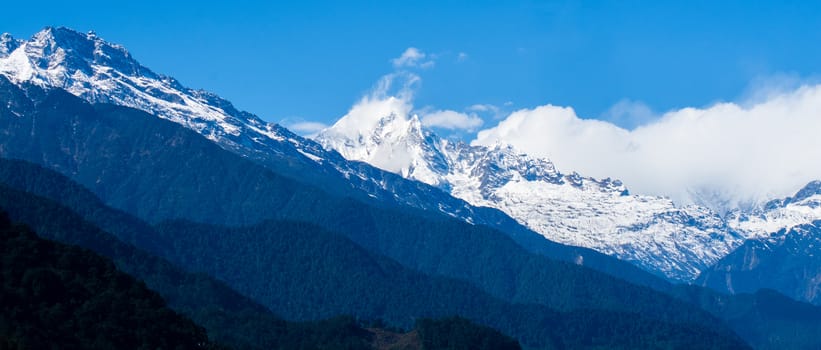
(311, 60)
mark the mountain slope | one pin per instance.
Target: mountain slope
(231, 318)
(766, 319)
(368, 286)
(788, 261)
(745, 315)
(158, 170)
(308, 284)
(783, 250)
(98, 71)
(132, 160)
(58, 296)
(651, 232)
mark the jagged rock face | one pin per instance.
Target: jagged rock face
(567, 208)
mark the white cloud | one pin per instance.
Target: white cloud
(392, 95)
(307, 127)
(452, 120)
(484, 108)
(399, 84)
(461, 57)
(413, 58)
(748, 151)
(489, 110)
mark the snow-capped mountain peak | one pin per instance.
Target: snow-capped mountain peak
(812, 189)
(372, 116)
(802, 208)
(101, 72)
(57, 55)
(8, 44)
(394, 141)
(567, 208)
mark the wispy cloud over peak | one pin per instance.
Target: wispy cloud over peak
(413, 58)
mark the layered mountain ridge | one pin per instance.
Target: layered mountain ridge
(158, 169)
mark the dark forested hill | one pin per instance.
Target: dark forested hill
(766, 319)
(229, 317)
(302, 271)
(745, 314)
(54, 296)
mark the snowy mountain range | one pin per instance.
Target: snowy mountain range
(374, 157)
(650, 231)
(101, 72)
(567, 208)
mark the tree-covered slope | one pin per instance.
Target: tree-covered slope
(302, 271)
(230, 318)
(56, 296)
(459, 333)
(752, 317)
(766, 319)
